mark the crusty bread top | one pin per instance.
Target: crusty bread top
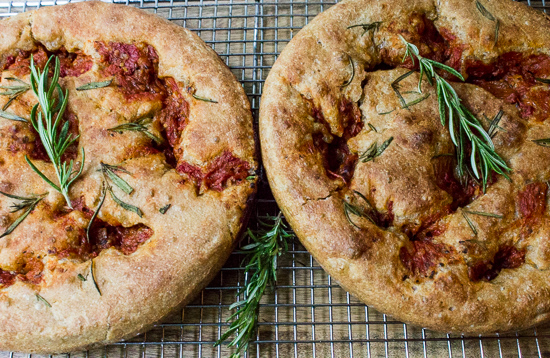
(422, 262)
(188, 243)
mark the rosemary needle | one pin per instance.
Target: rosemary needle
(484, 11)
(94, 85)
(482, 213)
(101, 201)
(12, 116)
(544, 142)
(165, 208)
(124, 204)
(260, 273)
(384, 113)
(43, 300)
(352, 66)
(92, 272)
(204, 99)
(470, 223)
(372, 127)
(367, 27)
(494, 124)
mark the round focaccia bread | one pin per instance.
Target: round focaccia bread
(171, 122)
(366, 173)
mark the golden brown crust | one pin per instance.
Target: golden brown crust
(190, 242)
(310, 78)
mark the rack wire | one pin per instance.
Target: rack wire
(307, 314)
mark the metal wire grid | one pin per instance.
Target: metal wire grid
(307, 314)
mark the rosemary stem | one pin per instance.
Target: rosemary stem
(63, 189)
(65, 193)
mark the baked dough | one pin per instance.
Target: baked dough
(430, 258)
(144, 267)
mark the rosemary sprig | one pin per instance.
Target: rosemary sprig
(543, 80)
(28, 203)
(260, 273)
(483, 157)
(384, 113)
(18, 89)
(352, 72)
(55, 140)
(14, 91)
(204, 99)
(357, 210)
(94, 85)
(375, 151)
(103, 195)
(81, 278)
(139, 125)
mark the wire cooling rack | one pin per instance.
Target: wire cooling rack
(307, 314)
